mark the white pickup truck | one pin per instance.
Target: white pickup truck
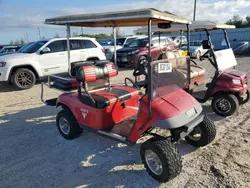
(46, 57)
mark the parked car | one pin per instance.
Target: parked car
(104, 41)
(120, 43)
(196, 49)
(46, 57)
(180, 40)
(21, 48)
(136, 51)
(7, 49)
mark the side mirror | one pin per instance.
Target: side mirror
(45, 50)
(164, 25)
(125, 45)
(205, 44)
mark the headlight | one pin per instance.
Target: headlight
(133, 52)
(235, 81)
(2, 64)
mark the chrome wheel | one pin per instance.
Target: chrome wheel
(196, 134)
(223, 105)
(64, 125)
(24, 79)
(154, 163)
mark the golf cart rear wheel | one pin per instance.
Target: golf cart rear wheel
(225, 104)
(203, 134)
(161, 159)
(67, 125)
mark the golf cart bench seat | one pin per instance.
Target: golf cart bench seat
(108, 95)
(68, 84)
(180, 62)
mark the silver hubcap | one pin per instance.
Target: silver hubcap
(24, 79)
(153, 162)
(223, 105)
(195, 135)
(64, 125)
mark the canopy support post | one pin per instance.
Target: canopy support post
(188, 53)
(68, 49)
(226, 38)
(149, 61)
(115, 54)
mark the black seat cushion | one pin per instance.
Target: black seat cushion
(101, 101)
(65, 85)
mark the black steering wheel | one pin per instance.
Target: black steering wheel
(129, 79)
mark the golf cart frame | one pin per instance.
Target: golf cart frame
(166, 107)
(222, 86)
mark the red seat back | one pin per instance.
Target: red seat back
(91, 73)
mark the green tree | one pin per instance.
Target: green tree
(237, 21)
(247, 22)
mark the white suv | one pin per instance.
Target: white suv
(46, 57)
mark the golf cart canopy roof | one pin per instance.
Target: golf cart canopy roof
(194, 26)
(127, 18)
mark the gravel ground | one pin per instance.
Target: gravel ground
(33, 154)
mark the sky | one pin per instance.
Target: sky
(20, 19)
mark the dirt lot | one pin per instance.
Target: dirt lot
(33, 154)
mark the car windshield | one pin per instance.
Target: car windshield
(119, 41)
(138, 43)
(34, 47)
(24, 46)
(195, 43)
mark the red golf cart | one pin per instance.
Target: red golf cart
(228, 88)
(126, 113)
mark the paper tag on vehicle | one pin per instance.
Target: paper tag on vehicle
(164, 67)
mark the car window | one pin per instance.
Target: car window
(129, 40)
(87, 44)
(169, 41)
(56, 46)
(34, 47)
(75, 45)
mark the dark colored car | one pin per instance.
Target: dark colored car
(136, 51)
(19, 49)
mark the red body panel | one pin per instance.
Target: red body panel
(166, 107)
(225, 83)
(106, 118)
(197, 80)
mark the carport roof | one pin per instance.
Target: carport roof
(138, 17)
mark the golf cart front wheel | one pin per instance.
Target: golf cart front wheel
(67, 125)
(161, 159)
(203, 134)
(225, 104)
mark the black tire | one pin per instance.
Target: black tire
(23, 78)
(167, 153)
(74, 129)
(207, 132)
(230, 100)
(241, 101)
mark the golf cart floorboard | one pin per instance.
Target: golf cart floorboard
(199, 92)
